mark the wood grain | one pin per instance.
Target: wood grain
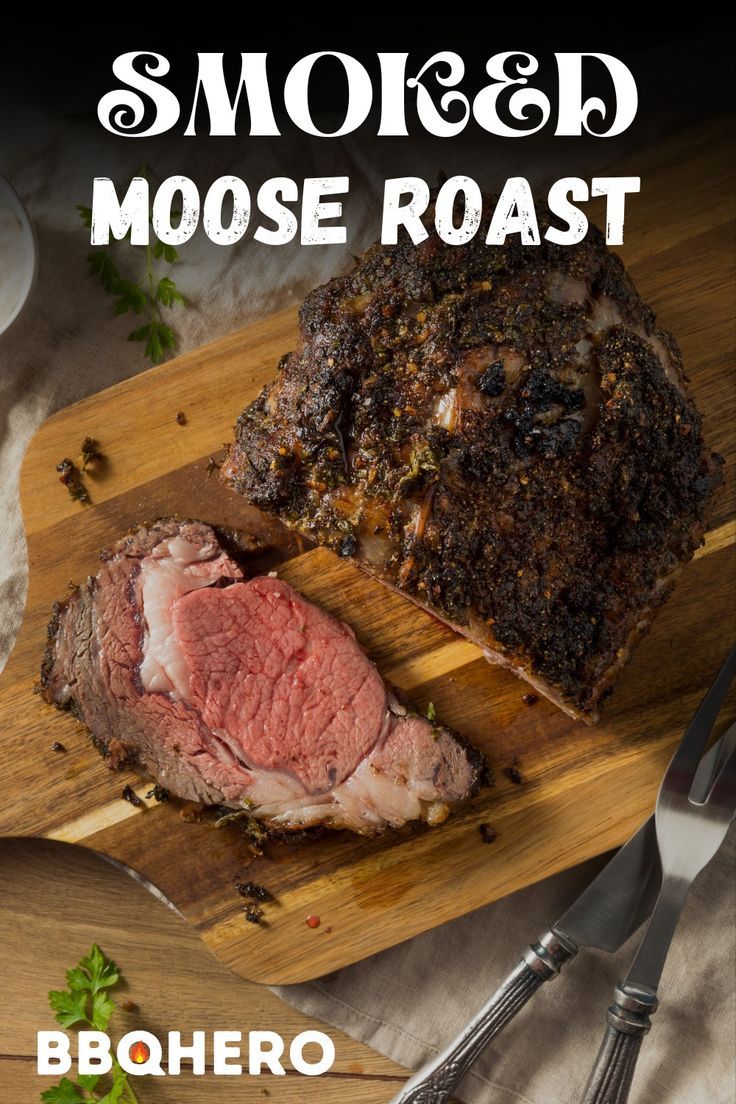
(62, 899)
(584, 790)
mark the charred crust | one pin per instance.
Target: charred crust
(492, 380)
(554, 516)
(117, 756)
(481, 768)
(49, 655)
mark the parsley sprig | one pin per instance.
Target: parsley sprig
(147, 296)
(86, 1001)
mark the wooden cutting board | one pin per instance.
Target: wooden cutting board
(583, 790)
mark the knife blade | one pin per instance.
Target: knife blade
(605, 914)
(623, 895)
(620, 898)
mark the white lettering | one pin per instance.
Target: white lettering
(257, 1056)
(444, 208)
(151, 1066)
(121, 111)
(574, 115)
(407, 215)
(393, 77)
(176, 1052)
(577, 222)
(314, 210)
(296, 94)
(485, 105)
(223, 111)
(94, 1053)
(296, 1056)
(429, 116)
(52, 1053)
(222, 1051)
(268, 204)
(615, 188)
(109, 216)
(165, 232)
(212, 216)
(514, 214)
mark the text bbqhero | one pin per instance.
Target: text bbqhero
(141, 1052)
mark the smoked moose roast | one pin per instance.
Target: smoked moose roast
(503, 434)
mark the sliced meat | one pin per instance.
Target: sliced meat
(501, 433)
(238, 692)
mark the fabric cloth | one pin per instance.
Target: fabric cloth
(408, 1001)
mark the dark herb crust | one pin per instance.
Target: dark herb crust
(503, 433)
(545, 507)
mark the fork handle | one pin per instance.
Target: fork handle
(435, 1081)
(628, 1023)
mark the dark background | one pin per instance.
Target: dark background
(681, 72)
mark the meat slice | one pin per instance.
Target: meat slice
(502, 434)
(238, 692)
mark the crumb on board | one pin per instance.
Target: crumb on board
(130, 795)
(71, 477)
(487, 833)
(90, 451)
(254, 890)
(158, 793)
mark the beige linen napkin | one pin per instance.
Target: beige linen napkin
(407, 1001)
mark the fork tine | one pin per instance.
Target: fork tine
(693, 742)
(708, 773)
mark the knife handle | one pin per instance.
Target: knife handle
(437, 1079)
(628, 1023)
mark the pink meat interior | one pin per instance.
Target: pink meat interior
(281, 679)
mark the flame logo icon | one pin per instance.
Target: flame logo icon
(139, 1053)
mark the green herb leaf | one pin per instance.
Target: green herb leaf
(115, 1094)
(77, 979)
(102, 265)
(142, 334)
(132, 297)
(98, 971)
(66, 1092)
(158, 338)
(88, 1080)
(89, 984)
(147, 295)
(162, 249)
(168, 293)
(168, 336)
(70, 1008)
(102, 1010)
(120, 1089)
(161, 338)
(154, 350)
(85, 213)
(431, 712)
